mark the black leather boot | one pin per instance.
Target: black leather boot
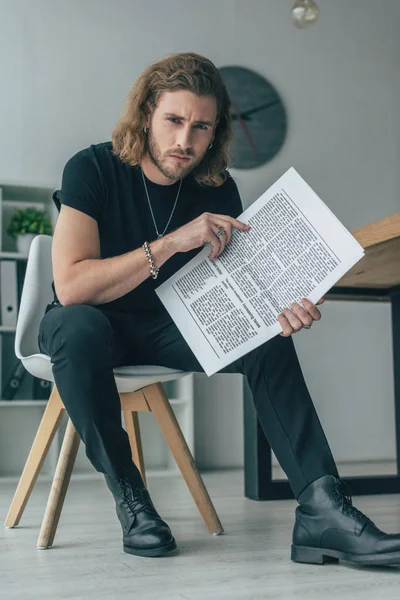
(144, 532)
(329, 528)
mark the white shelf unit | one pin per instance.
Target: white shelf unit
(20, 418)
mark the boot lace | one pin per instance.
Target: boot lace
(136, 498)
(342, 494)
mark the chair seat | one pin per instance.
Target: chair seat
(127, 378)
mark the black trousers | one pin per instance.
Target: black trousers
(85, 343)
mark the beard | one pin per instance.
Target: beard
(170, 171)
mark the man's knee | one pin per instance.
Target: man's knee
(78, 329)
(268, 352)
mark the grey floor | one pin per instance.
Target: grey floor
(250, 561)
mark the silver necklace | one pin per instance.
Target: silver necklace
(160, 235)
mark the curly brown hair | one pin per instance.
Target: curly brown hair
(184, 71)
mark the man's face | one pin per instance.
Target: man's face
(181, 128)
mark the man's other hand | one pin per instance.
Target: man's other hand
(295, 318)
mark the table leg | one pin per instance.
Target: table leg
(259, 484)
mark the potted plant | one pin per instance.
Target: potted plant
(26, 224)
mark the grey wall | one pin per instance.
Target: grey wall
(69, 65)
(65, 70)
(341, 84)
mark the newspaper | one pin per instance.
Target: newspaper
(296, 248)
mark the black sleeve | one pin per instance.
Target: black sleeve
(82, 186)
(228, 198)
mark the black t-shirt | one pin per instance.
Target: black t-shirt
(96, 182)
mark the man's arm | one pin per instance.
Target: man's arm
(81, 276)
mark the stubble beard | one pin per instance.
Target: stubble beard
(154, 152)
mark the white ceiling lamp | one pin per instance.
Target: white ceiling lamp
(304, 13)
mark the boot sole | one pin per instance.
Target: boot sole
(152, 552)
(319, 556)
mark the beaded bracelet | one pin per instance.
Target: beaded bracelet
(153, 269)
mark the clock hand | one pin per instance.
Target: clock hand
(245, 128)
(244, 115)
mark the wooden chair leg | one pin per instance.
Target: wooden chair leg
(132, 427)
(59, 486)
(41, 444)
(169, 426)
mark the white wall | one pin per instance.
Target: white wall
(67, 69)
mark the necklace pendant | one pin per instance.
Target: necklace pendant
(159, 236)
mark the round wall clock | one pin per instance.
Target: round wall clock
(258, 115)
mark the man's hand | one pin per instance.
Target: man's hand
(294, 319)
(202, 230)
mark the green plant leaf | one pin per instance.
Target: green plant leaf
(29, 220)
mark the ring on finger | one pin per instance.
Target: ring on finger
(220, 232)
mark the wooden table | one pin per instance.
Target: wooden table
(376, 277)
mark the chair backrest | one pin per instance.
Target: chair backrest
(36, 294)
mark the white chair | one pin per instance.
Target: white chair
(139, 387)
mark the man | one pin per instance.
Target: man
(132, 212)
